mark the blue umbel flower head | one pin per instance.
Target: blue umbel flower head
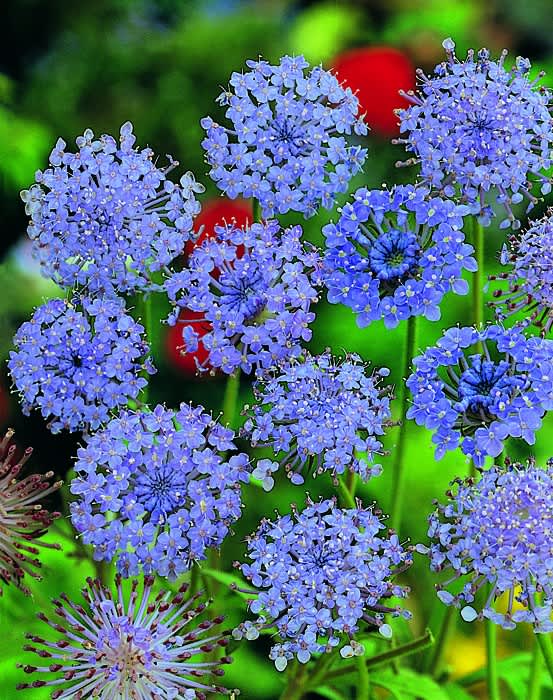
(286, 144)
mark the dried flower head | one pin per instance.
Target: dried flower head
(149, 647)
(23, 520)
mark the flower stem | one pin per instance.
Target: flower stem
(295, 688)
(434, 663)
(407, 649)
(256, 211)
(230, 399)
(398, 465)
(544, 640)
(492, 678)
(144, 304)
(347, 500)
(478, 275)
(363, 683)
(534, 682)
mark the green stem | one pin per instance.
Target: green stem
(345, 496)
(398, 484)
(363, 683)
(295, 688)
(492, 678)
(544, 640)
(534, 683)
(407, 649)
(256, 211)
(230, 399)
(478, 275)
(144, 305)
(435, 661)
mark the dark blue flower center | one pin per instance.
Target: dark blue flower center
(286, 137)
(483, 383)
(394, 254)
(244, 292)
(161, 490)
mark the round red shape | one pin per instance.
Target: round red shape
(174, 344)
(218, 212)
(376, 75)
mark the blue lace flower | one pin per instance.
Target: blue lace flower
(107, 218)
(23, 519)
(478, 387)
(497, 531)
(286, 146)
(318, 414)
(255, 288)
(154, 489)
(139, 645)
(395, 253)
(76, 361)
(320, 574)
(530, 277)
(476, 127)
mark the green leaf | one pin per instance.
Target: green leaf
(455, 692)
(331, 693)
(408, 684)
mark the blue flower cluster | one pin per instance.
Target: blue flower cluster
(318, 575)
(530, 279)
(154, 489)
(107, 218)
(320, 414)
(286, 147)
(498, 531)
(136, 646)
(255, 288)
(395, 253)
(78, 360)
(480, 397)
(477, 127)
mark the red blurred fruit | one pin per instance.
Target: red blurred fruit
(217, 212)
(376, 75)
(186, 362)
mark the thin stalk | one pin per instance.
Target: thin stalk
(398, 471)
(296, 687)
(478, 275)
(407, 649)
(435, 661)
(492, 678)
(534, 682)
(144, 305)
(230, 399)
(346, 499)
(544, 640)
(256, 211)
(363, 684)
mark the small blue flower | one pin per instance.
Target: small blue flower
(395, 253)
(496, 531)
(107, 218)
(476, 127)
(530, 277)
(320, 574)
(136, 646)
(479, 397)
(154, 489)
(79, 360)
(255, 288)
(317, 414)
(286, 147)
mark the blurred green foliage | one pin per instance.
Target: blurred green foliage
(161, 64)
